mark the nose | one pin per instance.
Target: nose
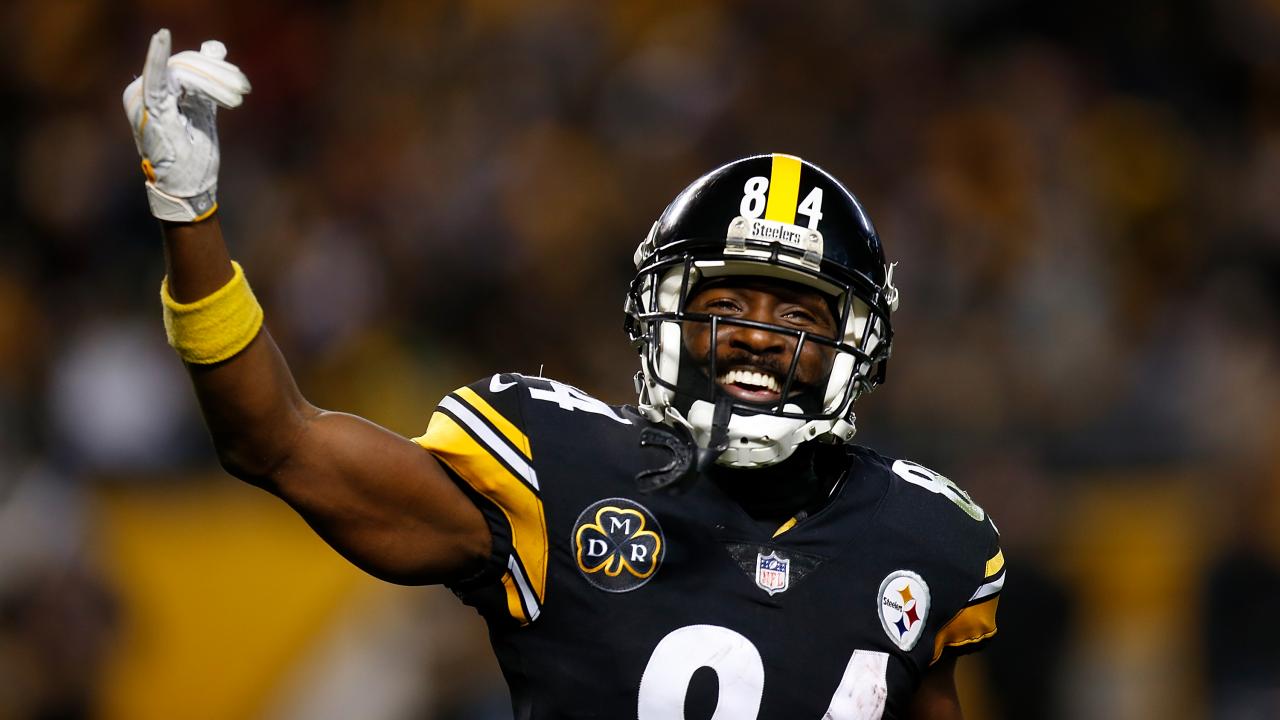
(753, 340)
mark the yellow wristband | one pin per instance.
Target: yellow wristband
(214, 327)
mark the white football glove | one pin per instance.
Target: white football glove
(172, 109)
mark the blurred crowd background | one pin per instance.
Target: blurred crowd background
(1081, 198)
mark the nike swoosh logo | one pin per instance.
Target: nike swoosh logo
(497, 386)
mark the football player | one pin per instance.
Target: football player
(720, 549)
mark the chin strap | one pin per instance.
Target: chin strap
(688, 461)
(719, 440)
(676, 474)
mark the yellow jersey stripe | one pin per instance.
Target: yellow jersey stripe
(513, 599)
(785, 527)
(499, 448)
(509, 431)
(974, 623)
(995, 563)
(447, 440)
(784, 189)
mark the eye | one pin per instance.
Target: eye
(804, 318)
(800, 315)
(724, 305)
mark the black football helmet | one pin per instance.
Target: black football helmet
(774, 216)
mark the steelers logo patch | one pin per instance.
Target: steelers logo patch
(617, 544)
(904, 607)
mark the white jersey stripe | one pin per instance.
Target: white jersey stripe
(530, 601)
(989, 589)
(491, 440)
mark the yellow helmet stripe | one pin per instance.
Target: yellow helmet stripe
(784, 189)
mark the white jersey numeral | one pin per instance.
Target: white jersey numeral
(863, 690)
(734, 659)
(740, 671)
(571, 398)
(922, 476)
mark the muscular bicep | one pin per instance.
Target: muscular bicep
(382, 501)
(379, 499)
(936, 698)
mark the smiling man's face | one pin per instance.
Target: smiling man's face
(751, 363)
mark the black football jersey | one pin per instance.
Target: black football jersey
(604, 602)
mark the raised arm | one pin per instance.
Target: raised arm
(379, 499)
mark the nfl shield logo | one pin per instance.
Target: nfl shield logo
(773, 574)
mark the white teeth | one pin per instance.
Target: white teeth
(748, 377)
